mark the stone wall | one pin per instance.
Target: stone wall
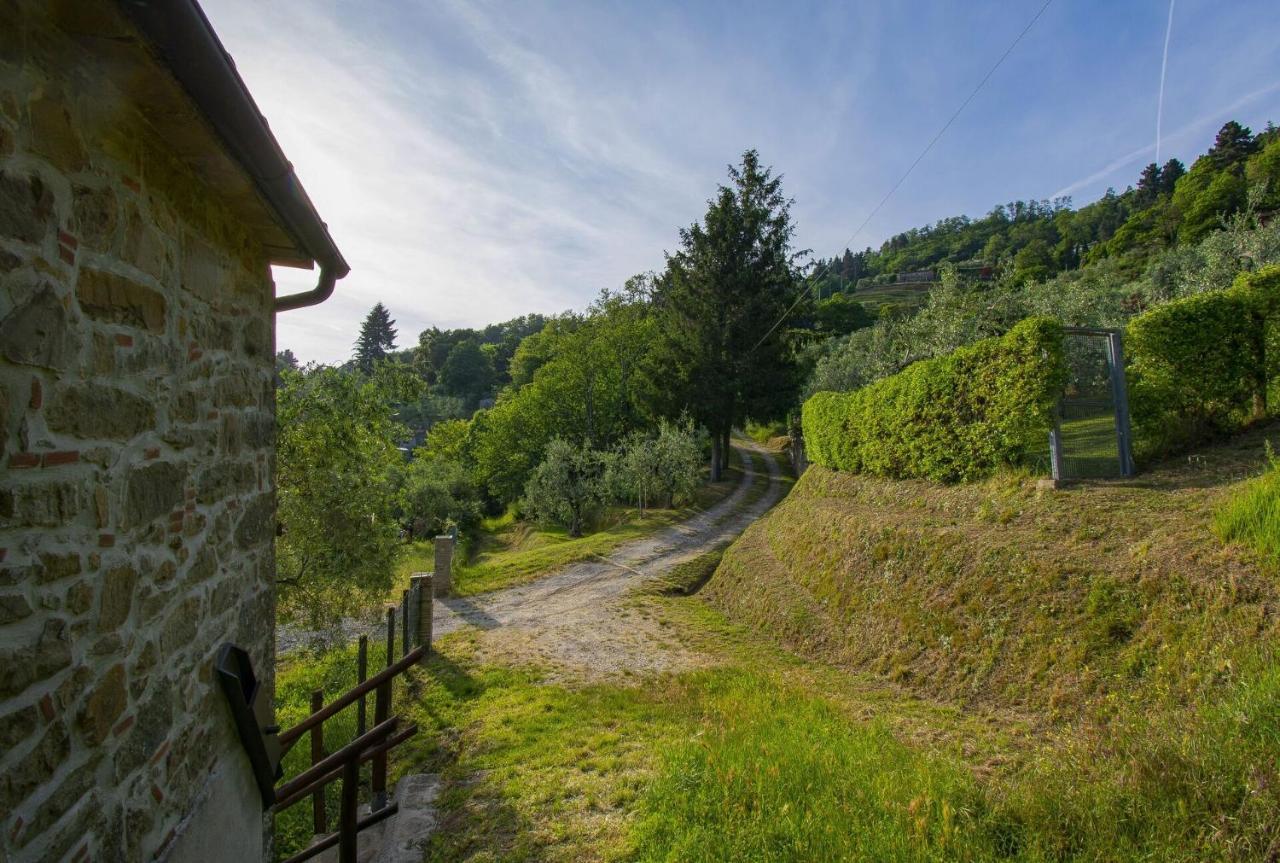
(136, 459)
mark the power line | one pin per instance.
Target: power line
(947, 125)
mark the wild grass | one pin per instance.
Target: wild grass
(764, 432)
(775, 774)
(1252, 515)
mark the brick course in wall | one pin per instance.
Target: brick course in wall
(136, 462)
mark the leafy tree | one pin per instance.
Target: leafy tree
(468, 372)
(286, 360)
(595, 382)
(721, 300)
(435, 494)
(1170, 174)
(377, 338)
(336, 455)
(1263, 171)
(568, 485)
(446, 441)
(1149, 184)
(839, 315)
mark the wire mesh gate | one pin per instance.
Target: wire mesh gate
(1091, 438)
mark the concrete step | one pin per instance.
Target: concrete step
(402, 837)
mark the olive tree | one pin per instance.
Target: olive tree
(336, 455)
(568, 485)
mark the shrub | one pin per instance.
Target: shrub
(954, 417)
(1200, 366)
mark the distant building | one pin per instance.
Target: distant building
(142, 200)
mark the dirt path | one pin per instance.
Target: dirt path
(575, 622)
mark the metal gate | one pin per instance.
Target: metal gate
(1090, 438)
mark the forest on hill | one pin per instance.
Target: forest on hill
(1168, 206)
(550, 418)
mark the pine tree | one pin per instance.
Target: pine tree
(1233, 144)
(377, 338)
(1170, 174)
(1149, 184)
(723, 298)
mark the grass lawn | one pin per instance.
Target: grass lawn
(506, 552)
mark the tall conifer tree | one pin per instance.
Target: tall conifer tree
(722, 300)
(377, 338)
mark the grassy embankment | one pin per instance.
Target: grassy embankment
(980, 673)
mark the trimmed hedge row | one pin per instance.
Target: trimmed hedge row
(1203, 365)
(955, 417)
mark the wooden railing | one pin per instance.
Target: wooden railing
(370, 745)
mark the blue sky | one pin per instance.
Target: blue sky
(477, 161)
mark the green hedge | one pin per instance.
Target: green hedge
(1203, 365)
(955, 417)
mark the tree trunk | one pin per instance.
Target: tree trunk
(724, 451)
(715, 456)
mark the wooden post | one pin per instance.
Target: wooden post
(391, 634)
(362, 674)
(347, 814)
(318, 820)
(404, 623)
(381, 712)
(421, 582)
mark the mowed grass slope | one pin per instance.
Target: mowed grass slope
(1109, 617)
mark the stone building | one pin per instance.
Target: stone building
(142, 200)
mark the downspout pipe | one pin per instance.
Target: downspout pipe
(318, 294)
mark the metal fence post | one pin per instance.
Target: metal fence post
(1055, 446)
(1120, 394)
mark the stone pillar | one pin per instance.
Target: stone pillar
(443, 576)
(421, 591)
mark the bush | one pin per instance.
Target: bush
(1200, 366)
(955, 417)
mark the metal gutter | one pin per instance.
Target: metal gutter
(185, 42)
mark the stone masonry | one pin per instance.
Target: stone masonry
(136, 462)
